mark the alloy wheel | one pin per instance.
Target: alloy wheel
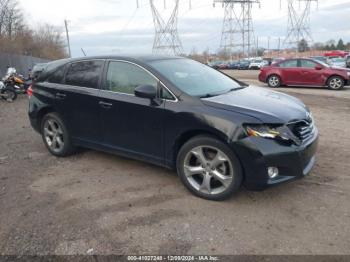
(53, 135)
(208, 170)
(336, 83)
(274, 81)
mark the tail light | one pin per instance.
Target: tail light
(30, 91)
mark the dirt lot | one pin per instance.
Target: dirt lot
(104, 204)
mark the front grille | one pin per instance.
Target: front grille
(303, 129)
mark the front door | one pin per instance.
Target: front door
(131, 124)
(309, 74)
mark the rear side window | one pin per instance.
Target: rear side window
(124, 77)
(289, 63)
(57, 76)
(84, 74)
(307, 64)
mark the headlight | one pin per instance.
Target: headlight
(348, 73)
(269, 132)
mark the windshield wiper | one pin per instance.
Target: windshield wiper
(236, 88)
(222, 93)
(210, 95)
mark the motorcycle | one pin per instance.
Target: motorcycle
(17, 82)
(7, 93)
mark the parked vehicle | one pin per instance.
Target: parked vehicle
(305, 72)
(277, 60)
(217, 132)
(17, 83)
(233, 65)
(215, 64)
(258, 64)
(337, 62)
(336, 53)
(323, 59)
(37, 70)
(223, 66)
(243, 65)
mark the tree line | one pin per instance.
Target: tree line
(16, 36)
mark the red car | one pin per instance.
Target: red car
(304, 72)
(336, 53)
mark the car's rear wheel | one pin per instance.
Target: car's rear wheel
(56, 136)
(336, 83)
(209, 168)
(274, 81)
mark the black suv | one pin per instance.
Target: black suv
(217, 132)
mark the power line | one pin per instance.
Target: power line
(237, 30)
(299, 24)
(166, 40)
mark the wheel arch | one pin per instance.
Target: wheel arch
(335, 75)
(42, 112)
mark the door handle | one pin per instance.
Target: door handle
(105, 105)
(60, 95)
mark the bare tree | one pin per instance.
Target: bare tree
(16, 37)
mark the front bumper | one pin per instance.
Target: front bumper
(258, 154)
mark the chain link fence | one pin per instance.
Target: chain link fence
(20, 62)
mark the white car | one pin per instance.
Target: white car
(258, 64)
(338, 62)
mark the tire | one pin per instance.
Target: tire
(209, 169)
(335, 83)
(274, 81)
(55, 136)
(8, 94)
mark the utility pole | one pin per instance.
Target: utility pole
(237, 32)
(68, 41)
(166, 40)
(299, 22)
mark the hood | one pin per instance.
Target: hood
(266, 105)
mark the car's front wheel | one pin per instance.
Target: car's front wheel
(55, 135)
(274, 81)
(336, 83)
(209, 168)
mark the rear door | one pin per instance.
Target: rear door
(309, 74)
(290, 72)
(77, 100)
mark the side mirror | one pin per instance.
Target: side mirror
(146, 91)
(318, 67)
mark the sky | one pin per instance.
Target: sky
(118, 26)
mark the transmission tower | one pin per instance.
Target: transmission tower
(237, 32)
(299, 22)
(166, 40)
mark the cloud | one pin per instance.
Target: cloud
(111, 26)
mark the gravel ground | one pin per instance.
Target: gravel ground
(96, 203)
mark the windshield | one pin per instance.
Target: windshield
(338, 60)
(194, 78)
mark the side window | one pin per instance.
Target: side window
(124, 77)
(84, 74)
(165, 94)
(307, 64)
(289, 63)
(57, 76)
